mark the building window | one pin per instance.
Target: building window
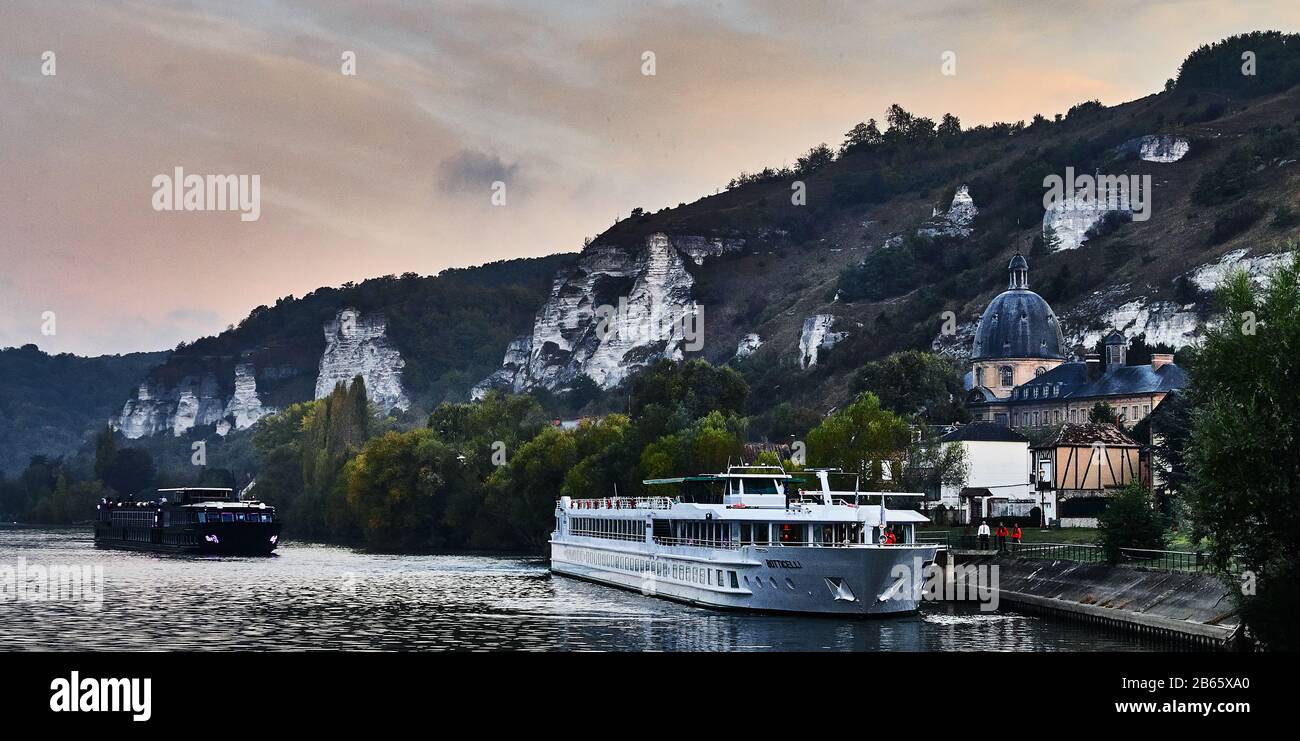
(1005, 373)
(1040, 370)
(1057, 416)
(1035, 419)
(979, 376)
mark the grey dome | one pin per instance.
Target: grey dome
(1018, 324)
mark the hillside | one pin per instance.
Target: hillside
(879, 252)
(51, 404)
(906, 220)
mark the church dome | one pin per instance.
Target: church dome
(1018, 323)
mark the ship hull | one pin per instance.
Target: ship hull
(215, 538)
(865, 581)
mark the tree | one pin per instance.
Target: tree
(694, 387)
(863, 136)
(1129, 521)
(1102, 413)
(132, 472)
(917, 383)
(858, 438)
(105, 451)
(1167, 431)
(1243, 488)
(397, 486)
(950, 127)
(520, 501)
(816, 158)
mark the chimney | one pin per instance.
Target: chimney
(1159, 359)
(1094, 366)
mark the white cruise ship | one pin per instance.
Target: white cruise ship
(749, 544)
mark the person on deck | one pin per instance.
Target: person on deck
(1002, 536)
(984, 535)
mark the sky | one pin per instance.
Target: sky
(395, 168)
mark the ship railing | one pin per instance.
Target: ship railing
(733, 544)
(623, 503)
(606, 536)
(700, 543)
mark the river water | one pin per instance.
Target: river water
(312, 597)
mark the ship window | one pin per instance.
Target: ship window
(227, 516)
(710, 579)
(772, 580)
(789, 582)
(202, 517)
(761, 486)
(719, 573)
(760, 533)
(735, 584)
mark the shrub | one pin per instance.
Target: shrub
(1235, 220)
(1129, 522)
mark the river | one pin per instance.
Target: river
(312, 597)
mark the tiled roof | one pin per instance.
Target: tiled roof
(1127, 380)
(1088, 434)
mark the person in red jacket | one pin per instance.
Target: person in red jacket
(890, 538)
(1015, 533)
(1002, 536)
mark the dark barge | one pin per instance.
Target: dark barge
(189, 520)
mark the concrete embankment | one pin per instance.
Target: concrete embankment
(1188, 608)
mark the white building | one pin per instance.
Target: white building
(997, 480)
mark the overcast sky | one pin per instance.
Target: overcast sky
(391, 170)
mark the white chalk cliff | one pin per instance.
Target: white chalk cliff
(748, 345)
(193, 402)
(613, 312)
(358, 345)
(957, 221)
(816, 336)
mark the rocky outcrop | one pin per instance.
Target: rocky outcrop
(1157, 147)
(358, 345)
(816, 336)
(1162, 323)
(957, 221)
(698, 248)
(748, 345)
(156, 407)
(1208, 277)
(1072, 218)
(244, 407)
(615, 311)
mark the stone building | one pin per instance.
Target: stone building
(1021, 376)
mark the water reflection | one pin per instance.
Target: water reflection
(312, 597)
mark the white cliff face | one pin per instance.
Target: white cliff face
(1072, 218)
(957, 221)
(358, 345)
(1163, 148)
(817, 335)
(698, 248)
(1163, 323)
(748, 345)
(1209, 276)
(1156, 148)
(146, 414)
(244, 407)
(194, 402)
(612, 313)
